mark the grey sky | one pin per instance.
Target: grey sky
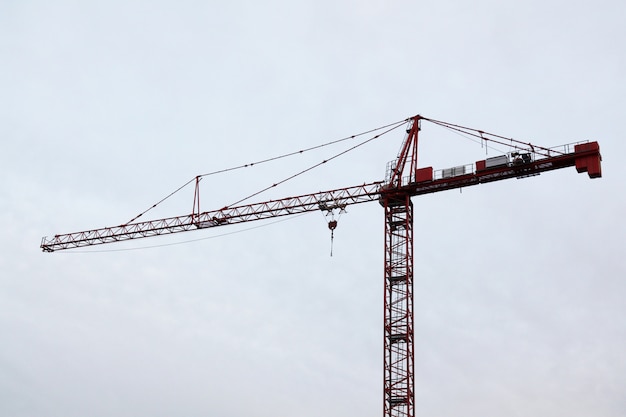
(106, 107)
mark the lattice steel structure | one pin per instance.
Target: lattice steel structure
(398, 341)
(403, 181)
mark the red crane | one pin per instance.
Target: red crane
(403, 180)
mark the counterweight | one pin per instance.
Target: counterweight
(404, 180)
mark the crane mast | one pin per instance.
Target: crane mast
(398, 364)
(403, 180)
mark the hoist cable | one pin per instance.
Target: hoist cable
(160, 201)
(313, 166)
(479, 134)
(468, 136)
(395, 125)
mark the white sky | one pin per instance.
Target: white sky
(106, 107)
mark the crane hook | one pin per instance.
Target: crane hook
(332, 225)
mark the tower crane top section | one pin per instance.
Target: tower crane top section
(403, 178)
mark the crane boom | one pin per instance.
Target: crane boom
(424, 181)
(403, 180)
(323, 200)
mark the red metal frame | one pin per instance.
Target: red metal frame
(323, 200)
(403, 181)
(586, 158)
(407, 154)
(398, 305)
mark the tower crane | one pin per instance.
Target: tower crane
(403, 180)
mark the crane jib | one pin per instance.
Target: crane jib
(586, 158)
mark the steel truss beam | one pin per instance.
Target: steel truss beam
(323, 200)
(398, 339)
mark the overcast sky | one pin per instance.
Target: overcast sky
(107, 107)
